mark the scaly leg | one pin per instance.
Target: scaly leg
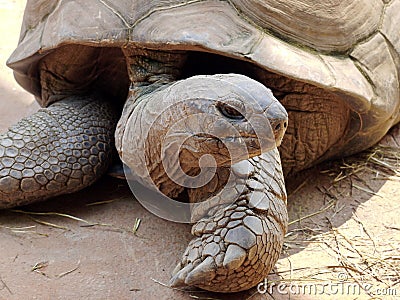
(236, 246)
(58, 150)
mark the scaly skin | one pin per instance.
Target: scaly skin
(60, 149)
(237, 245)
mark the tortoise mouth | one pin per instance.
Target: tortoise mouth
(318, 119)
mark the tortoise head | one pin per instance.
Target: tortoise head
(230, 117)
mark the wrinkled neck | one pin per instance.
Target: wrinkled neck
(151, 69)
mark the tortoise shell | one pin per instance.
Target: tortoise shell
(334, 65)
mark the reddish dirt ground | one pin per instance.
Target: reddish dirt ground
(342, 233)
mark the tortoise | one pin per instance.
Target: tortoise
(334, 67)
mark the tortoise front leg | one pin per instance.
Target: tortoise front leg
(236, 247)
(58, 150)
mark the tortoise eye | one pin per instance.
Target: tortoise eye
(230, 112)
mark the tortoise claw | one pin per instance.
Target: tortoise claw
(234, 257)
(177, 269)
(179, 279)
(203, 273)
